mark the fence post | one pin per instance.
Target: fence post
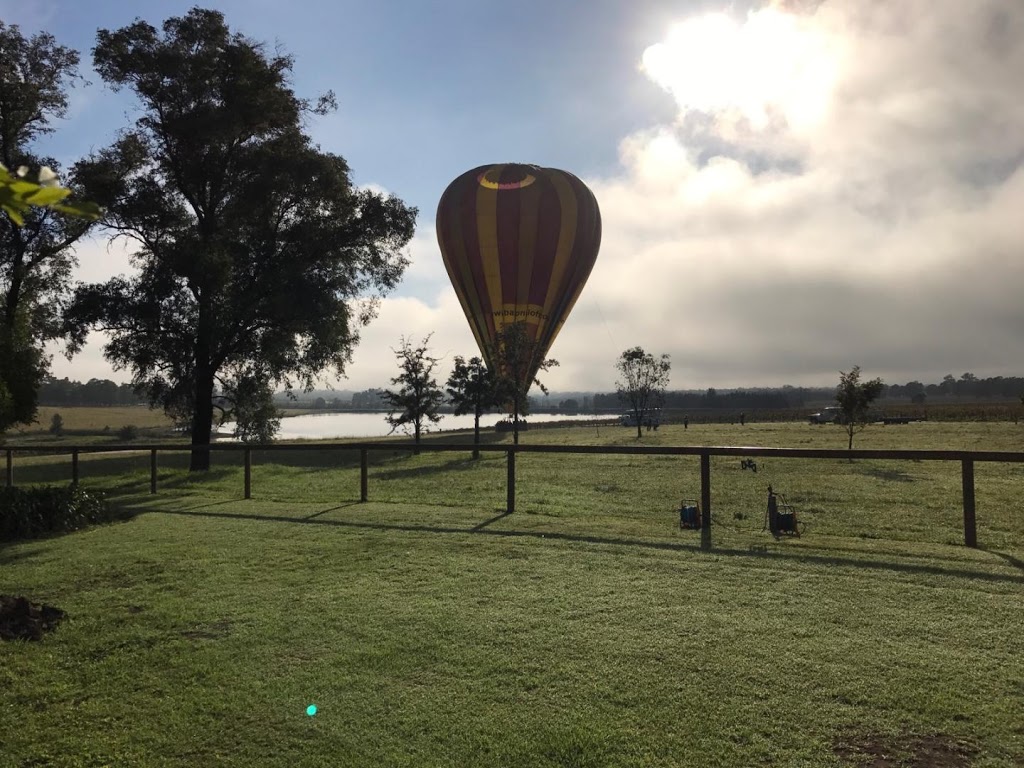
(152, 471)
(248, 473)
(705, 500)
(510, 501)
(10, 468)
(364, 471)
(970, 527)
(74, 467)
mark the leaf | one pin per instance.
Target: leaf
(85, 209)
(17, 195)
(12, 211)
(47, 196)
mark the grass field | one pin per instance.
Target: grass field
(585, 630)
(87, 425)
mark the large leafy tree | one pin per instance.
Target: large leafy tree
(36, 241)
(472, 389)
(417, 398)
(257, 258)
(643, 383)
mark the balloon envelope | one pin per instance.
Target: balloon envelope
(519, 242)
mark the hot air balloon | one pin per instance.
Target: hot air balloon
(519, 242)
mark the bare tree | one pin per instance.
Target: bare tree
(853, 398)
(416, 401)
(644, 379)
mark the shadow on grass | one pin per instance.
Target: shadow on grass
(9, 558)
(131, 471)
(891, 475)
(486, 523)
(215, 504)
(118, 513)
(330, 509)
(316, 459)
(459, 464)
(482, 530)
(1014, 561)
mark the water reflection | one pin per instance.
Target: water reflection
(325, 426)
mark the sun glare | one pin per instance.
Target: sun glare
(773, 63)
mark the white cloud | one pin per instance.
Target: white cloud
(860, 205)
(100, 258)
(884, 234)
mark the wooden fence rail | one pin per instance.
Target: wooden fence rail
(966, 459)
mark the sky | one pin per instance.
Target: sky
(787, 189)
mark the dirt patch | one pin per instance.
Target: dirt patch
(213, 631)
(24, 620)
(904, 751)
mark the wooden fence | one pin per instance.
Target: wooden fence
(967, 460)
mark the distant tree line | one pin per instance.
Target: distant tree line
(967, 386)
(788, 397)
(96, 392)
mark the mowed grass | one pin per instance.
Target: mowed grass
(584, 630)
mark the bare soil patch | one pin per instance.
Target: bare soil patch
(21, 619)
(904, 751)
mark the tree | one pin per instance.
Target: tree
(418, 397)
(967, 386)
(472, 389)
(257, 417)
(35, 241)
(518, 356)
(853, 398)
(257, 258)
(643, 383)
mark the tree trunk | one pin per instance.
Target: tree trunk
(476, 435)
(416, 437)
(202, 420)
(202, 415)
(515, 420)
(639, 432)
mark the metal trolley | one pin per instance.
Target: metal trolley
(780, 518)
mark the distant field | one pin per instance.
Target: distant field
(94, 419)
(587, 629)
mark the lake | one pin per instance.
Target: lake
(325, 426)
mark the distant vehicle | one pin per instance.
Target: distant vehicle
(833, 414)
(651, 419)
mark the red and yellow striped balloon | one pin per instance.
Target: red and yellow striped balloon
(519, 242)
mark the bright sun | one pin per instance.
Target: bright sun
(773, 62)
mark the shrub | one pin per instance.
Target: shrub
(128, 433)
(27, 513)
(57, 425)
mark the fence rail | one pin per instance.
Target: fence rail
(966, 459)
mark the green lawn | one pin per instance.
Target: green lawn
(585, 630)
